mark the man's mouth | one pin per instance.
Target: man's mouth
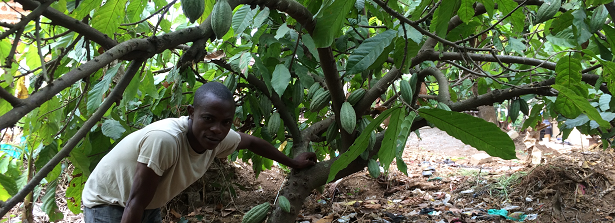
(213, 140)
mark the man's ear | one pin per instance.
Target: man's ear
(190, 112)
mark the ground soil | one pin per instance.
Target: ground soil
(571, 184)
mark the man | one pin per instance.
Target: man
(151, 166)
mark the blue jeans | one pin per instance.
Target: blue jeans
(113, 214)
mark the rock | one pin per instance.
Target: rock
(480, 158)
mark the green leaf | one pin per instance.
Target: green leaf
(547, 10)
(32, 59)
(9, 184)
(598, 18)
(473, 131)
(96, 93)
(489, 6)
(84, 8)
(112, 129)
(610, 35)
(131, 90)
(331, 22)
(582, 30)
(406, 126)
(578, 103)
(74, 190)
(5, 49)
(147, 85)
(359, 145)
(282, 30)
(591, 3)
(534, 117)
(441, 17)
(562, 22)
(46, 153)
(260, 18)
(280, 79)
(49, 205)
(516, 45)
(309, 44)
(568, 71)
(135, 9)
(608, 74)
(367, 53)
(108, 18)
(389, 143)
(466, 10)
(517, 19)
(242, 18)
(604, 102)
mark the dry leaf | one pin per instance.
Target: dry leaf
(326, 219)
(175, 214)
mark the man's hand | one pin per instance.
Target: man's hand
(304, 160)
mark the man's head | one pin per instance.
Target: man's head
(211, 116)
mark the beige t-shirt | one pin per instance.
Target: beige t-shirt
(164, 147)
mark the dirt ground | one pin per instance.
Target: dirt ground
(447, 181)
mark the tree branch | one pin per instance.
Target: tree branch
(68, 22)
(25, 20)
(14, 101)
(444, 95)
(114, 96)
(150, 16)
(378, 89)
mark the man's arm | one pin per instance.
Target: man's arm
(265, 149)
(142, 191)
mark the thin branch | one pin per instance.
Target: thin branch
(73, 141)
(420, 29)
(72, 114)
(494, 25)
(25, 20)
(58, 36)
(292, 59)
(7, 25)
(433, 9)
(152, 15)
(40, 53)
(14, 101)
(9, 58)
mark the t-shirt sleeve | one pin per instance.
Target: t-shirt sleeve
(159, 150)
(229, 144)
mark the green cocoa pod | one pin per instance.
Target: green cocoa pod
(313, 89)
(274, 123)
(413, 80)
(298, 93)
(514, 109)
(332, 132)
(373, 168)
(193, 9)
(284, 204)
(356, 96)
(348, 118)
(406, 91)
(257, 214)
(265, 105)
(524, 107)
(320, 100)
(221, 17)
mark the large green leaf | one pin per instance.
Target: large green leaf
(610, 35)
(473, 131)
(135, 9)
(466, 10)
(331, 22)
(608, 74)
(404, 133)
(367, 53)
(389, 143)
(359, 145)
(9, 184)
(517, 19)
(74, 191)
(442, 16)
(280, 79)
(562, 22)
(577, 103)
(85, 7)
(108, 18)
(242, 18)
(547, 10)
(49, 205)
(112, 129)
(582, 31)
(95, 95)
(568, 71)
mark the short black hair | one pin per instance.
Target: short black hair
(215, 89)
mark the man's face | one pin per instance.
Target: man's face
(211, 121)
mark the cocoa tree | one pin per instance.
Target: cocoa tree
(88, 73)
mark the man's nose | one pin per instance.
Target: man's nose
(216, 128)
